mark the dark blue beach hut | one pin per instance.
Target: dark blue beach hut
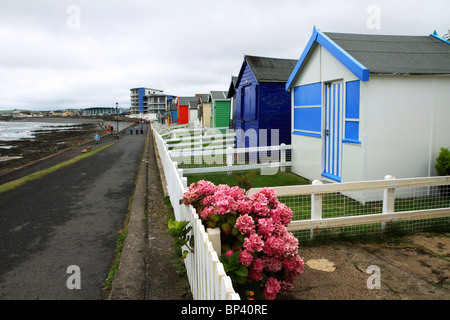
(261, 101)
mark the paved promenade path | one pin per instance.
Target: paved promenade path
(67, 219)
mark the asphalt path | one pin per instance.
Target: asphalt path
(58, 234)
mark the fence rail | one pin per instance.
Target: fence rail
(206, 274)
(413, 199)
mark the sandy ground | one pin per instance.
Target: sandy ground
(415, 267)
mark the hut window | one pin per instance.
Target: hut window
(308, 110)
(352, 101)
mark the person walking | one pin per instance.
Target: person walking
(97, 138)
(137, 129)
(142, 128)
(131, 130)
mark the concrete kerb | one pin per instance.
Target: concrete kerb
(129, 281)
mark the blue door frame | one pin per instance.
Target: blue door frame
(333, 115)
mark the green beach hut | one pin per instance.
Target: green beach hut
(220, 109)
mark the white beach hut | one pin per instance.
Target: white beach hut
(365, 106)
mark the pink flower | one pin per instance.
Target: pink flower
(260, 197)
(245, 225)
(274, 247)
(294, 266)
(271, 195)
(265, 227)
(272, 288)
(207, 212)
(282, 214)
(244, 206)
(272, 264)
(223, 204)
(246, 258)
(290, 245)
(255, 275)
(287, 284)
(229, 253)
(258, 265)
(254, 243)
(237, 193)
(205, 187)
(256, 270)
(261, 209)
(208, 200)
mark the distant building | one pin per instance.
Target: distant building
(101, 111)
(148, 101)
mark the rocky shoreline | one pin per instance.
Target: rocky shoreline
(15, 154)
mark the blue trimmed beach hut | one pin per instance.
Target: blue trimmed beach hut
(365, 106)
(260, 101)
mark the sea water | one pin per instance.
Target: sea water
(19, 130)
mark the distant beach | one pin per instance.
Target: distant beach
(28, 139)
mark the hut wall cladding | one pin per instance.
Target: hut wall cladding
(275, 110)
(222, 114)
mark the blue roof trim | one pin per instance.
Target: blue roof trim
(347, 60)
(435, 35)
(302, 58)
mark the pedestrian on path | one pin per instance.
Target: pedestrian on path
(142, 129)
(137, 129)
(97, 138)
(131, 130)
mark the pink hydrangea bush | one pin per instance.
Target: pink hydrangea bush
(260, 255)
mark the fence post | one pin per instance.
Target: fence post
(230, 157)
(184, 183)
(388, 200)
(316, 206)
(283, 157)
(214, 237)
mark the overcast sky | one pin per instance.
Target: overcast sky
(75, 54)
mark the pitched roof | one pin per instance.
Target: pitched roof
(184, 101)
(270, 69)
(218, 95)
(193, 104)
(363, 54)
(390, 54)
(231, 89)
(203, 97)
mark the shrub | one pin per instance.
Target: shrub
(443, 162)
(259, 254)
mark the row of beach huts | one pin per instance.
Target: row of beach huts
(354, 107)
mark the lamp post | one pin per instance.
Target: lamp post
(117, 118)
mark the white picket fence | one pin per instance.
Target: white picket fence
(206, 274)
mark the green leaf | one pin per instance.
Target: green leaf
(240, 280)
(242, 271)
(214, 218)
(226, 228)
(233, 260)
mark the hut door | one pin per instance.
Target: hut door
(332, 146)
(246, 108)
